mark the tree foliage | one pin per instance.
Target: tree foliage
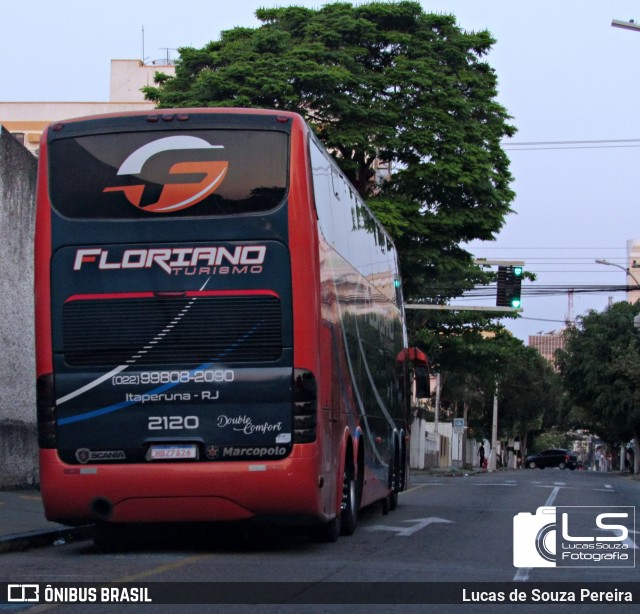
(528, 389)
(379, 82)
(600, 368)
(530, 393)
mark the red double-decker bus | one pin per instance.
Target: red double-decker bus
(218, 324)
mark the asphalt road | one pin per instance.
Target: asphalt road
(445, 529)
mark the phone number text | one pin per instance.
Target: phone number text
(217, 376)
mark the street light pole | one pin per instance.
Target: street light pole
(627, 270)
(626, 25)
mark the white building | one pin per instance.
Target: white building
(633, 268)
(27, 120)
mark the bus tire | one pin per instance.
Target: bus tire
(402, 474)
(395, 476)
(393, 500)
(350, 504)
(328, 532)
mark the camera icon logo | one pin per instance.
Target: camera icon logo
(575, 536)
(23, 593)
(534, 538)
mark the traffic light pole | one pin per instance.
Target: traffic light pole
(482, 261)
(461, 308)
(498, 308)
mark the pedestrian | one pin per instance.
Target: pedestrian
(481, 455)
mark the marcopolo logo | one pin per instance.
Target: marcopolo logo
(575, 536)
(174, 196)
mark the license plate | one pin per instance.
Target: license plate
(173, 452)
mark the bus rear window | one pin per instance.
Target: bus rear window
(139, 175)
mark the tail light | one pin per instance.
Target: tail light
(304, 406)
(46, 411)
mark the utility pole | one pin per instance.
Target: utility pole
(437, 419)
(494, 431)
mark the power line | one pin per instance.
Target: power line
(547, 247)
(549, 290)
(576, 144)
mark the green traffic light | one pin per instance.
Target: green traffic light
(515, 303)
(517, 271)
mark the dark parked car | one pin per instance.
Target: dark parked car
(552, 458)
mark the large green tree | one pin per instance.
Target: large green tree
(600, 367)
(380, 83)
(529, 390)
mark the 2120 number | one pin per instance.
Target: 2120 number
(172, 423)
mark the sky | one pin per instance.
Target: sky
(568, 79)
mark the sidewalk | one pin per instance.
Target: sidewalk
(23, 524)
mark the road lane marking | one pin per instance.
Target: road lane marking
(552, 496)
(419, 523)
(419, 486)
(163, 568)
(607, 488)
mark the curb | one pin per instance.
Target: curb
(39, 539)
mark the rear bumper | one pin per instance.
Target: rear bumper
(181, 492)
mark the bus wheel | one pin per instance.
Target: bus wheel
(328, 532)
(350, 504)
(393, 500)
(402, 484)
(395, 477)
